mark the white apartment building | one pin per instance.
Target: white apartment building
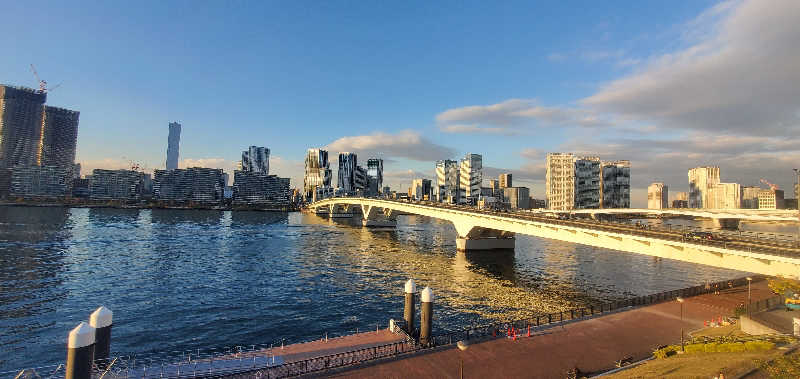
(657, 196)
(725, 196)
(447, 173)
(470, 178)
(700, 180)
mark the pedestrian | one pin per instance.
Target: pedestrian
(716, 289)
(708, 287)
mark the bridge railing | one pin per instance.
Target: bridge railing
(770, 243)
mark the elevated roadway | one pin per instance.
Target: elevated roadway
(483, 230)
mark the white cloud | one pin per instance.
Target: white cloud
(513, 116)
(740, 76)
(405, 144)
(556, 57)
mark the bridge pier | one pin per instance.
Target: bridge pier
(727, 223)
(473, 237)
(378, 217)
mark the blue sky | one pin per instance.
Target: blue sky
(414, 81)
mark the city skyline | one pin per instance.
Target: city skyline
(605, 79)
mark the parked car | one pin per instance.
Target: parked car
(707, 236)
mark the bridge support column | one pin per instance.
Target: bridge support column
(378, 217)
(727, 223)
(472, 237)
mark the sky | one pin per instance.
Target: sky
(668, 85)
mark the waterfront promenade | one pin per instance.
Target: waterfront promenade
(591, 345)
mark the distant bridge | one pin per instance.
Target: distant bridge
(721, 217)
(484, 230)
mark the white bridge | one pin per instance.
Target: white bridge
(484, 230)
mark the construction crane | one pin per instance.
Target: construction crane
(771, 186)
(42, 83)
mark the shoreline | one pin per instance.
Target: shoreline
(150, 206)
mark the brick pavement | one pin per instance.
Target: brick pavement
(590, 345)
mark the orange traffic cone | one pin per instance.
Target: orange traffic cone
(705, 323)
(494, 332)
(529, 330)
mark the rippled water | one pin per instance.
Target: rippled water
(200, 279)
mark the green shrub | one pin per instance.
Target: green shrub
(666, 352)
(737, 347)
(758, 345)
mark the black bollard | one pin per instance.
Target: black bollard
(426, 316)
(101, 320)
(408, 309)
(80, 352)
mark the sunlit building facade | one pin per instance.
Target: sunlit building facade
(725, 196)
(657, 196)
(470, 178)
(447, 176)
(317, 174)
(700, 180)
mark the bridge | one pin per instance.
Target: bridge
(480, 229)
(726, 218)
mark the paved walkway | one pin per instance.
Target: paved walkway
(321, 348)
(591, 345)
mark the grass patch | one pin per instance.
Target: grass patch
(701, 365)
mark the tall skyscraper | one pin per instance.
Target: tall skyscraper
(657, 196)
(21, 112)
(470, 178)
(447, 175)
(173, 144)
(256, 160)
(347, 171)
(420, 189)
(375, 175)
(59, 137)
(573, 182)
(505, 181)
(318, 172)
(700, 180)
(615, 184)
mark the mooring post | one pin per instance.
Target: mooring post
(408, 309)
(426, 316)
(101, 319)
(80, 352)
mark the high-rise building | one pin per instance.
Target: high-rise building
(447, 176)
(657, 196)
(173, 145)
(750, 197)
(256, 160)
(517, 197)
(725, 196)
(700, 180)
(116, 185)
(560, 181)
(59, 137)
(317, 174)
(374, 176)
(360, 180)
(587, 182)
(195, 184)
(470, 178)
(494, 185)
(21, 113)
(347, 171)
(505, 181)
(684, 196)
(771, 199)
(420, 189)
(615, 184)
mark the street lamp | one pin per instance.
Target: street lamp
(680, 300)
(749, 279)
(462, 345)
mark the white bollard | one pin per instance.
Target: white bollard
(80, 352)
(408, 310)
(101, 319)
(426, 315)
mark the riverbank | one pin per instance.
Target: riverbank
(591, 346)
(119, 205)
